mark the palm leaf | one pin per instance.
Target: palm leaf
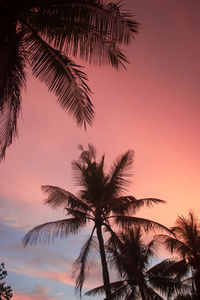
(127, 222)
(81, 264)
(89, 29)
(47, 232)
(173, 244)
(118, 175)
(125, 204)
(62, 77)
(78, 213)
(12, 80)
(118, 289)
(169, 267)
(58, 197)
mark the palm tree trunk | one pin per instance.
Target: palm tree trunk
(106, 279)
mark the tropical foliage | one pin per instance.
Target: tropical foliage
(187, 245)
(163, 278)
(42, 34)
(101, 201)
(5, 290)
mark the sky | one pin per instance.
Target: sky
(152, 108)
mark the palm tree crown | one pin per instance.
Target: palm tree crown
(42, 34)
(99, 201)
(187, 244)
(164, 277)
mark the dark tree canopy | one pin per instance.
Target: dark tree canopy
(5, 290)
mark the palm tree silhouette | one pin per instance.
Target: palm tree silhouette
(187, 245)
(164, 277)
(42, 34)
(100, 202)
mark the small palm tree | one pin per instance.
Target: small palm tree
(187, 245)
(42, 34)
(164, 277)
(100, 201)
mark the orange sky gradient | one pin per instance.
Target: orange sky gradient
(152, 108)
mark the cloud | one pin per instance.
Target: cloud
(40, 293)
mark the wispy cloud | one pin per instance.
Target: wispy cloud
(40, 293)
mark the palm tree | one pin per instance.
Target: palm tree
(99, 201)
(42, 34)
(164, 277)
(187, 245)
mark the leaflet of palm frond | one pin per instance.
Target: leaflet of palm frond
(12, 80)
(47, 232)
(62, 77)
(81, 264)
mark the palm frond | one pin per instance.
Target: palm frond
(169, 267)
(47, 232)
(76, 213)
(151, 294)
(118, 174)
(96, 291)
(127, 222)
(58, 197)
(91, 29)
(125, 204)
(167, 276)
(62, 77)
(12, 80)
(173, 244)
(118, 290)
(81, 264)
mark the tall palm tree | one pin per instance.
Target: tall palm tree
(164, 277)
(42, 34)
(187, 245)
(99, 201)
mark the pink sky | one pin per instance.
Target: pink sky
(152, 108)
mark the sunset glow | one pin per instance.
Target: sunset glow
(152, 108)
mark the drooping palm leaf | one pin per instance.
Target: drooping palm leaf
(173, 244)
(81, 264)
(130, 204)
(58, 197)
(62, 77)
(47, 232)
(128, 222)
(90, 29)
(12, 80)
(119, 290)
